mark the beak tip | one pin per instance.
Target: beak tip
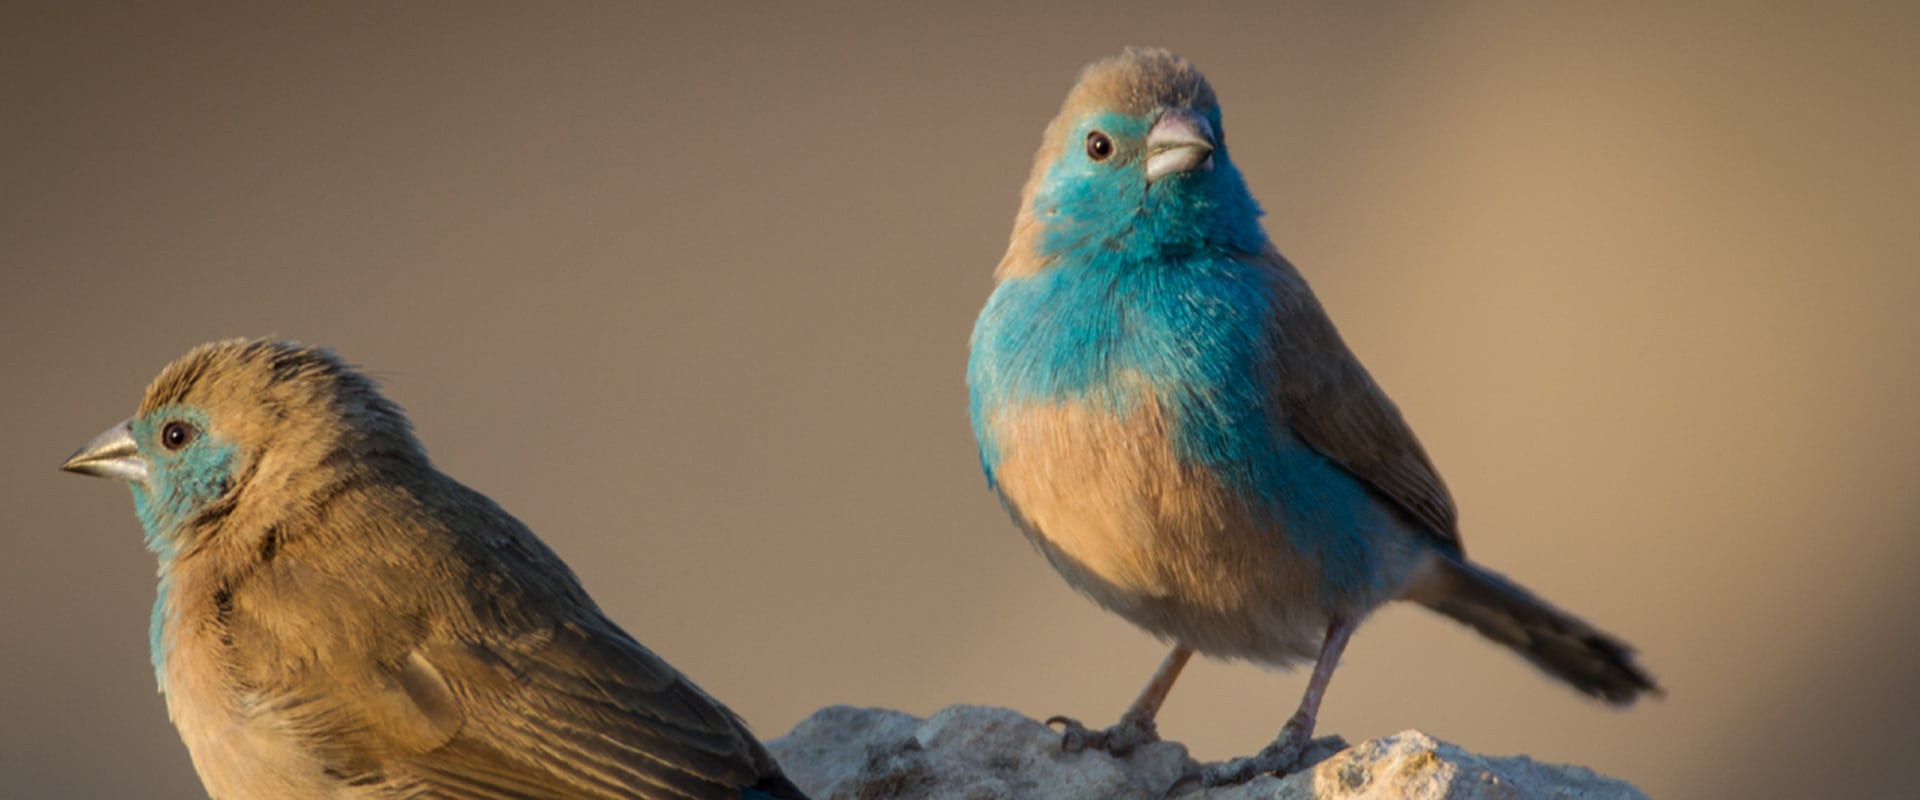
(112, 454)
(1180, 141)
(79, 466)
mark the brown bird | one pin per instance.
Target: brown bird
(338, 619)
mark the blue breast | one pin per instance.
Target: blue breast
(1195, 334)
(1092, 332)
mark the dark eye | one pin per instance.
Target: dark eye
(177, 434)
(1099, 147)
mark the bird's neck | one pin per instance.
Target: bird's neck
(158, 519)
(1180, 218)
(205, 546)
(1099, 330)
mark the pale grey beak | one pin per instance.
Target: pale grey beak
(112, 454)
(1181, 141)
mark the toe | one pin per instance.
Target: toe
(1074, 737)
(1279, 758)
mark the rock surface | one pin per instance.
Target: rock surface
(982, 753)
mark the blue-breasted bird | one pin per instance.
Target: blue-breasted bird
(338, 619)
(1167, 412)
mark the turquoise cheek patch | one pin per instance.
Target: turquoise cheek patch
(178, 485)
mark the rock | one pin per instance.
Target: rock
(982, 753)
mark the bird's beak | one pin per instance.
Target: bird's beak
(112, 454)
(1181, 141)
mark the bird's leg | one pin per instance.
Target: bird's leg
(1288, 751)
(1135, 727)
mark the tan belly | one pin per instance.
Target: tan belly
(1162, 544)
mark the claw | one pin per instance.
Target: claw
(1074, 737)
(1291, 753)
(1118, 740)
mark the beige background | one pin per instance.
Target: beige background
(690, 292)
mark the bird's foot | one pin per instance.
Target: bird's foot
(1292, 752)
(1130, 732)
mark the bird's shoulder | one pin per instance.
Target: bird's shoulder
(1320, 390)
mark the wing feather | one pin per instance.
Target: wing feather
(582, 711)
(1330, 401)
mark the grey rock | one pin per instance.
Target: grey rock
(983, 753)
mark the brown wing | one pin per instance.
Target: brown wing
(1330, 401)
(582, 711)
(495, 676)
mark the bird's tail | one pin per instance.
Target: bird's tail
(1560, 643)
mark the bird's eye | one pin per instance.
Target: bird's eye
(177, 434)
(1099, 146)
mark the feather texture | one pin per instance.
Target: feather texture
(342, 620)
(1172, 418)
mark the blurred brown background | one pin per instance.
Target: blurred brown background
(689, 291)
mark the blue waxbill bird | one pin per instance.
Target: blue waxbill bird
(1168, 413)
(339, 619)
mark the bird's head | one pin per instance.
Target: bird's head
(1135, 165)
(237, 420)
